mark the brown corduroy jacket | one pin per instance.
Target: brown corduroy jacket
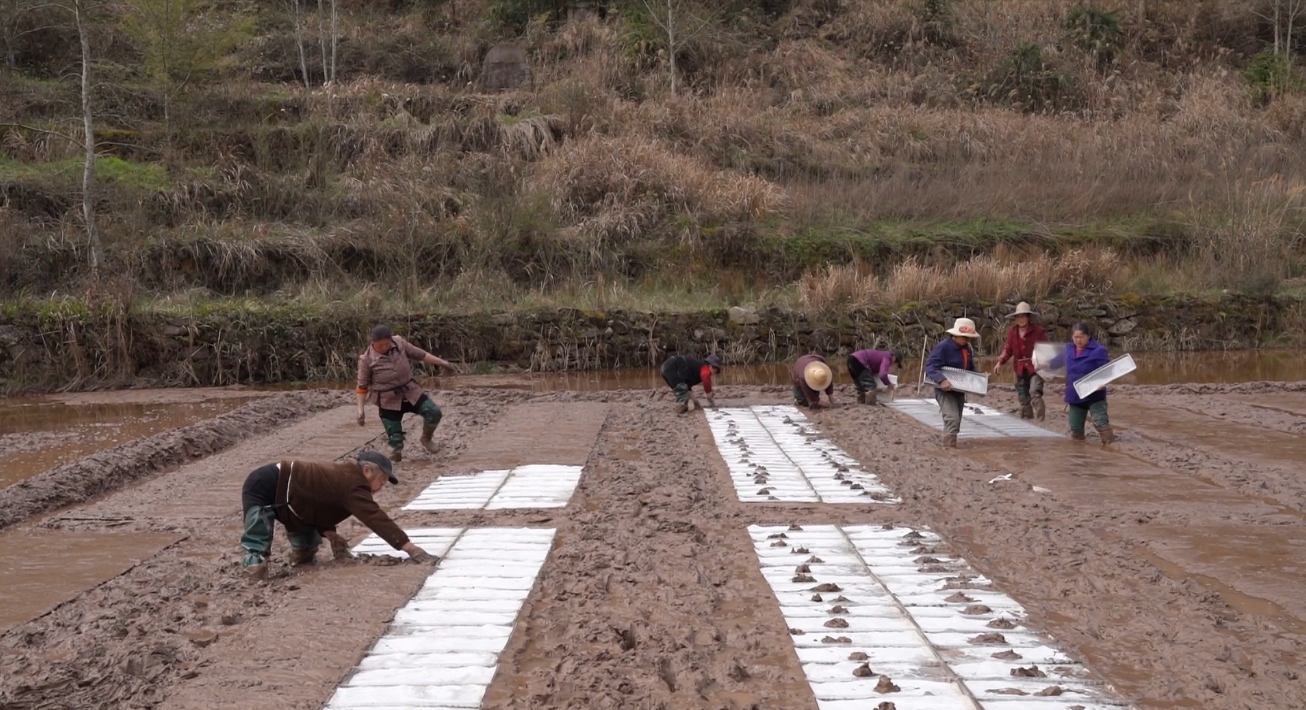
(322, 495)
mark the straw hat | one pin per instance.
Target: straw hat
(817, 375)
(963, 327)
(1023, 309)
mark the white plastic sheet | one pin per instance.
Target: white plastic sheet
(896, 604)
(442, 649)
(977, 421)
(533, 486)
(774, 453)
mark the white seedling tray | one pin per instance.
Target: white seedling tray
(1044, 355)
(967, 381)
(1110, 372)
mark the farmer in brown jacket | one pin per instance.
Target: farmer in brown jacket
(310, 500)
(385, 378)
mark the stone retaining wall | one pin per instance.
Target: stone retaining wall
(43, 348)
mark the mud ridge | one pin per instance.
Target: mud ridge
(114, 468)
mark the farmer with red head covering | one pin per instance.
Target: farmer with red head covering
(682, 373)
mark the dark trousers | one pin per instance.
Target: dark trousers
(258, 499)
(672, 376)
(863, 379)
(393, 419)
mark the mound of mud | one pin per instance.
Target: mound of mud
(116, 467)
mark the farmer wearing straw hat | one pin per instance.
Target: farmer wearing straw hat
(870, 370)
(1020, 350)
(812, 376)
(682, 373)
(953, 351)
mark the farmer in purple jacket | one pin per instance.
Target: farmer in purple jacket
(1083, 355)
(868, 366)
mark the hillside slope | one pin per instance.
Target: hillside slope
(818, 154)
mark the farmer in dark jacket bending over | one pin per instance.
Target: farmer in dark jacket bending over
(385, 378)
(682, 373)
(1083, 355)
(869, 369)
(310, 500)
(954, 351)
(811, 377)
(1020, 349)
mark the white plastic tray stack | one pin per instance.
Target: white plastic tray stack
(1110, 372)
(967, 381)
(1047, 353)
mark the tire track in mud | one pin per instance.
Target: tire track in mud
(652, 597)
(1073, 562)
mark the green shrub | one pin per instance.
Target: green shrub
(1025, 79)
(1094, 31)
(938, 20)
(1270, 75)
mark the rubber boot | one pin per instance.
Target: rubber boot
(257, 573)
(428, 431)
(949, 441)
(396, 455)
(302, 555)
(1026, 411)
(1040, 410)
(1107, 433)
(1077, 435)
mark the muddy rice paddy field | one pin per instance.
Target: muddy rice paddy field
(750, 557)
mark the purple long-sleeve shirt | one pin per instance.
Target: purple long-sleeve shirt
(877, 361)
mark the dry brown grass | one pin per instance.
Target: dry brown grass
(863, 120)
(620, 189)
(999, 277)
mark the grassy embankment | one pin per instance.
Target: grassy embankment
(820, 155)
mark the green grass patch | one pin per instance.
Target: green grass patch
(108, 169)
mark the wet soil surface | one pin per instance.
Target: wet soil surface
(117, 466)
(39, 433)
(1169, 561)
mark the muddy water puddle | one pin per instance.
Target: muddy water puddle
(42, 569)
(39, 433)
(1227, 367)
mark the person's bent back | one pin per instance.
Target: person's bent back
(310, 499)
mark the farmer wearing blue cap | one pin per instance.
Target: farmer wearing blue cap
(310, 499)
